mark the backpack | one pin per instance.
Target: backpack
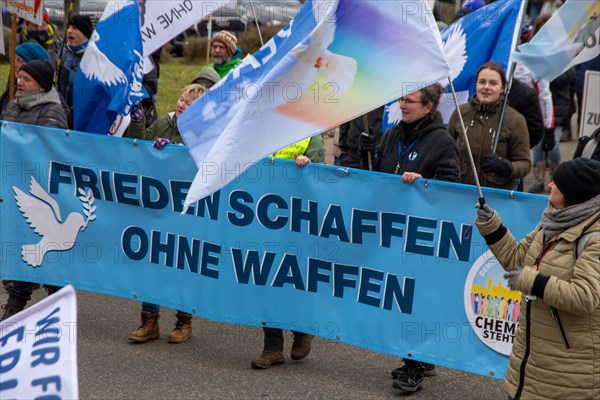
(582, 242)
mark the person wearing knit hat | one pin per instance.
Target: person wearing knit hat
(41, 71)
(79, 30)
(555, 268)
(224, 52)
(83, 23)
(36, 103)
(577, 181)
(29, 51)
(207, 77)
(24, 52)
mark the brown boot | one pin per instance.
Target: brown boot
(9, 311)
(268, 358)
(182, 330)
(301, 345)
(148, 330)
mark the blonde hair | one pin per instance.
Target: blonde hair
(193, 91)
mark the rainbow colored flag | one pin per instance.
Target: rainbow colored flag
(334, 61)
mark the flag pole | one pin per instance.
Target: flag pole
(511, 73)
(13, 52)
(63, 44)
(262, 43)
(208, 36)
(463, 132)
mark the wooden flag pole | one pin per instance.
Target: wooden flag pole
(13, 53)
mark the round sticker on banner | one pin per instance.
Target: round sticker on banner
(492, 309)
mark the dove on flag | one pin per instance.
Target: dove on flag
(109, 79)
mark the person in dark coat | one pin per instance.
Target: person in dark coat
(418, 147)
(357, 143)
(524, 99)
(36, 103)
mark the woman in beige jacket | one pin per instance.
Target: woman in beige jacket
(556, 353)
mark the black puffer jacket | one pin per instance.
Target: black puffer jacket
(434, 155)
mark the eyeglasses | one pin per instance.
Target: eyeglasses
(408, 102)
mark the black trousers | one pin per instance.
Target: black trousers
(274, 338)
(19, 293)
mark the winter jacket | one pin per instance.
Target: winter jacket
(42, 109)
(561, 98)
(434, 155)
(353, 142)
(556, 351)
(481, 122)
(163, 127)
(524, 99)
(70, 59)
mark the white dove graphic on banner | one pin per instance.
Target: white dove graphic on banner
(42, 213)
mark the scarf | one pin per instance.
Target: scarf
(555, 221)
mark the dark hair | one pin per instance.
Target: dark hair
(494, 67)
(540, 21)
(431, 95)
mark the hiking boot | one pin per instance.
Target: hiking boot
(148, 330)
(182, 330)
(410, 379)
(426, 368)
(268, 358)
(9, 311)
(301, 346)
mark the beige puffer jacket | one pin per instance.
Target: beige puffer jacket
(561, 359)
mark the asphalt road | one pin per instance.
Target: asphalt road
(215, 363)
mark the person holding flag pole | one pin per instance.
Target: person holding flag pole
(512, 159)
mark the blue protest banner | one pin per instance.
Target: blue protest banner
(353, 256)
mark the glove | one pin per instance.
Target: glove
(484, 214)
(160, 142)
(493, 163)
(512, 277)
(368, 141)
(548, 141)
(137, 112)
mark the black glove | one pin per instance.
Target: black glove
(368, 141)
(548, 141)
(493, 163)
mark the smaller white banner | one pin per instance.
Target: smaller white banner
(38, 350)
(31, 10)
(590, 104)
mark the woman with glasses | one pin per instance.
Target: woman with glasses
(419, 146)
(511, 159)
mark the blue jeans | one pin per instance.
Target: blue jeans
(553, 155)
(155, 309)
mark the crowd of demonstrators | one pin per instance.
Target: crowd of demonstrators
(36, 103)
(556, 351)
(163, 131)
(24, 53)
(481, 116)
(303, 152)
(418, 147)
(358, 139)
(79, 31)
(45, 35)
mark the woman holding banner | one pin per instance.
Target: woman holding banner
(418, 147)
(556, 351)
(500, 158)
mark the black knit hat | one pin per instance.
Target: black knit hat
(578, 180)
(83, 23)
(41, 71)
